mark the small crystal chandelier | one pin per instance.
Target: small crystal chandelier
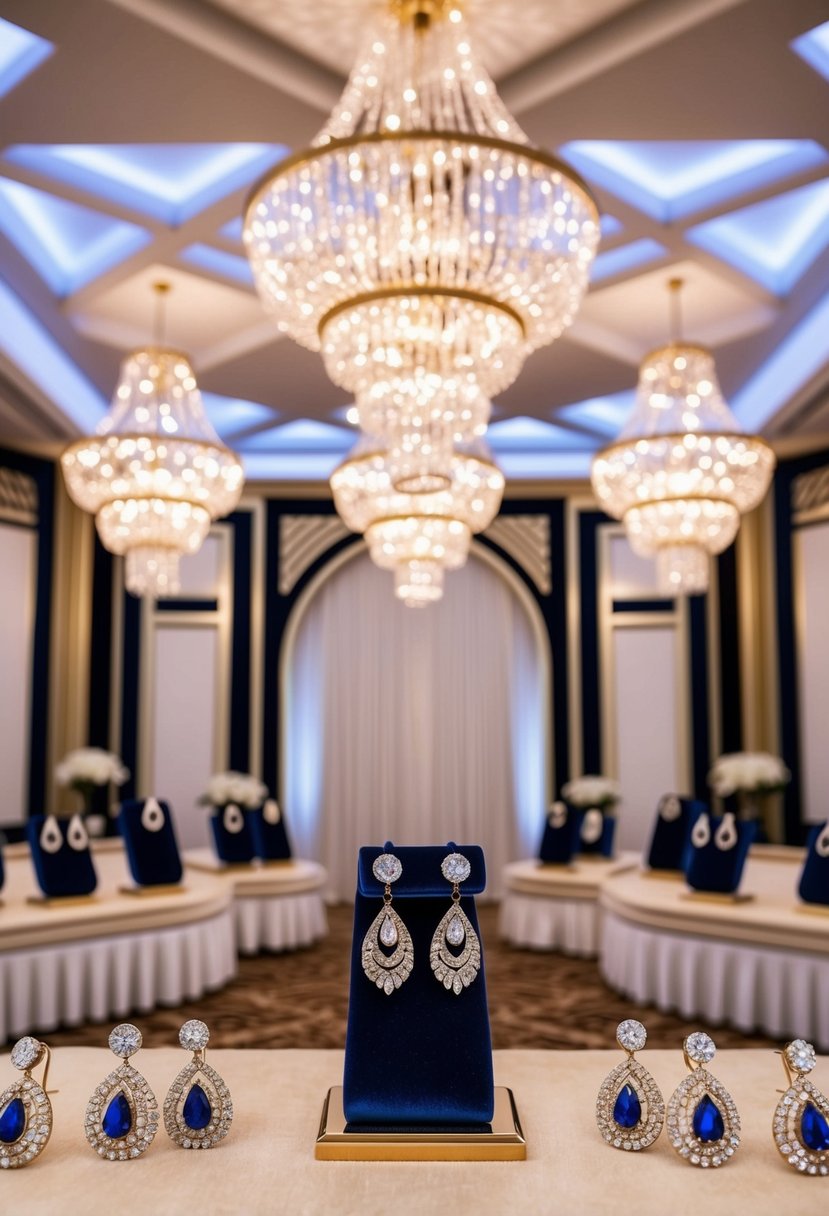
(155, 474)
(418, 536)
(682, 472)
(421, 243)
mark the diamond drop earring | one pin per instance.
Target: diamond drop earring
(455, 971)
(387, 971)
(630, 1110)
(801, 1118)
(703, 1123)
(122, 1115)
(198, 1109)
(25, 1109)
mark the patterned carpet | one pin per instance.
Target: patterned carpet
(301, 999)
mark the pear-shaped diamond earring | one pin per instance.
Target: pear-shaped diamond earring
(198, 1109)
(703, 1123)
(630, 1109)
(25, 1109)
(455, 971)
(122, 1115)
(387, 932)
(801, 1119)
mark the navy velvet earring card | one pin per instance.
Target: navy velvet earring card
(270, 836)
(561, 835)
(675, 817)
(421, 1056)
(233, 835)
(61, 856)
(146, 826)
(814, 880)
(709, 865)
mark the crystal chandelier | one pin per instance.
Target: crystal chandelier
(421, 243)
(155, 474)
(682, 472)
(418, 536)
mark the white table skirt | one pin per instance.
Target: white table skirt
(784, 993)
(278, 922)
(97, 978)
(539, 923)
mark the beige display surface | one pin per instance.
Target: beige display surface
(582, 879)
(267, 1165)
(270, 878)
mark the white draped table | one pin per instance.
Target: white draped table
(117, 953)
(762, 964)
(276, 906)
(548, 907)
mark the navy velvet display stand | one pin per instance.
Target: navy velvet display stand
(675, 817)
(603, 845)
(146, 826)
(711, 868)
(2, 867)
(420, 1057)
(68, 871)
(233, 847)
(814, 880)
(561, 838)
(270, 836)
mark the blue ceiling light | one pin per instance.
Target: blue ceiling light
(220, 262)
(20, 53)
(610, 226)
(670, 180)
(522, 466)
(796, 359)
(31, 348)
(67, 244)
(302, 435)
(774, 241)
(230, 415)
(814, 48)
(607, 415)
(293, 466)
(170, 182)
(232, 230)
(626, 257)
(529, 435)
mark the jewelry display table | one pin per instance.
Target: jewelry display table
(266, 1165)
(276, 906)
(110, 954)
(548, 907)
(761, 964)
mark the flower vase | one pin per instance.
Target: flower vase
(232, 835)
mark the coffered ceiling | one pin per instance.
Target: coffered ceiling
(131, 130)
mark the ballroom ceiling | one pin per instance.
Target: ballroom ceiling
(131, 131)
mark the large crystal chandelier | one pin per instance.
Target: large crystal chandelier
(421, 242)
(682, 472)
(155, 474)
(418, 536)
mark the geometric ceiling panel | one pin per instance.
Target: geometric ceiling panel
(607, 415)
(232, 230)
(623, 258)
(628, 319)
(813, 46)
(774, 241)
(68, 245)
(229, 415)
(211, 321)
(301, 435)
(219, 262)
(170, 182)
(532, 434)
(20, 53)
(669, 180)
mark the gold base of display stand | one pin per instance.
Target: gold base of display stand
(716, 897)
(670, 875)
(813, 909)
(61, 901)
(504, 1142)
(168, 888)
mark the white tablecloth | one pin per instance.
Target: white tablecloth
(784, 993)
(282, 922)
(570, 925)
(111, 977)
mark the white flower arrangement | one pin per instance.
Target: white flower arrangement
(592, 791)
(242, 789)
(748, 773)
(90, 766)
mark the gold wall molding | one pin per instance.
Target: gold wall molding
(302, 539)
(526, 538)
(810, 496)
(18, 498)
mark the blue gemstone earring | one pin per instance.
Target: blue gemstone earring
(122, 1115)
(25, 1110)
(630, 1109)
(801, 1119)
(198, 1109)
(703, 1122)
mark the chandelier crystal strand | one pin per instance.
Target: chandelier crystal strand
(421, 243)
(155, 474)
(682, 473)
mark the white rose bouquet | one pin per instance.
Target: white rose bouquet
(592, 792)
(748, 773)
(241, 789)
(88, 768)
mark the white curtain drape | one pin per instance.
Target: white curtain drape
(414, 725)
